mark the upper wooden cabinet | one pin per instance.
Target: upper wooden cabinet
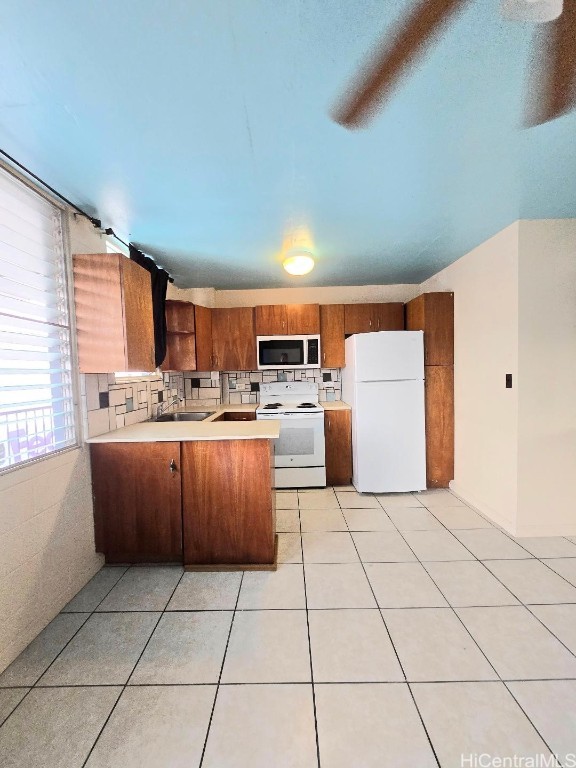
(332, 335)
(179, 316)
(115, 327)
(180, 338)
(203, 325)
(233, 339)
(433, 313)
(287, 319)
(364, 318)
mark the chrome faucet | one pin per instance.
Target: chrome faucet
(164, 406)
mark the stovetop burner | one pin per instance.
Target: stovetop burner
(272, 406)
(307, 405)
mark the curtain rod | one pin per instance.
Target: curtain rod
(97, 223)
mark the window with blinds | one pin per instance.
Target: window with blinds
(36, 393)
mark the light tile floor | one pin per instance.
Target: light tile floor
(399, 631)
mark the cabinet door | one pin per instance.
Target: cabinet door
(233, 339)
(332, 335)
(114, 322)
(433, 313)
(138, 317)
(358, 318)
(203, 324)
(271, 320)
(338, 436)
(388, 317)
(180, 352)
(137, 501)
(303, 319)
(439, 387)
(228, 514)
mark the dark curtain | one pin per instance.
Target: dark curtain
(160, 279)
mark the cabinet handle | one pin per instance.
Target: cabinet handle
(324, 357)
(173, 467)
(370, 323)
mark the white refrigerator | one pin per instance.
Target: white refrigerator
(383, 382)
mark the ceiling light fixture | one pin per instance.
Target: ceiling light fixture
(532, 11)
(298, 262)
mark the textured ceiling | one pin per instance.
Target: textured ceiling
(201, 130)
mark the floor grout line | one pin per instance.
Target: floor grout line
(220, 675)
(309, 640)
(409, 683)
(394, 649)
(125, 685)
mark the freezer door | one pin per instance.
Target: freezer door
(387, 355)
(389, 445)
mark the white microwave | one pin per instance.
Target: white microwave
(277, 352)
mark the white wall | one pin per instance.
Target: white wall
(203, 296)
(46, 527)
(547, 378)
(515, 312)
(485, 286)
(339, 294)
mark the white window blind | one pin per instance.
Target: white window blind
(36, 394)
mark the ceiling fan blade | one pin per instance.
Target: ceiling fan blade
(383, 70)
(552, 89)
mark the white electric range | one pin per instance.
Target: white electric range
(299, 456)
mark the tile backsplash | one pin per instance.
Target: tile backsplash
(108, 405)
(243, 386)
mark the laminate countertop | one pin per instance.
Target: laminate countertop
(336, 405)
(182, 431)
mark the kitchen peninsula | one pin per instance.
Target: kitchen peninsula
(199, 493)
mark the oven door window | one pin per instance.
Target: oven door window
(281, 352)
(301, 443)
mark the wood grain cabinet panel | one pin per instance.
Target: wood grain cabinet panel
(366, 318)
(180, 352)
(287, 319)
(358, 318)
(137, 501)
(179, 316)
(433, 313)
(233, 339)
(439, 387)
(203, 326)
(332, 335)
(180, 337)
(303, 319)
(271, 320)
(338, 436)
(228, 502)
(113, 302)
(388, 317)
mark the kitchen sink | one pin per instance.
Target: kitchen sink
(185, 416)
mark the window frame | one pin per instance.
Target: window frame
(64, 212)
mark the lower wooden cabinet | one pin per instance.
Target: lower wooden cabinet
(439, 387)
(137, 501)
(338, 436)
(228, 504)
(206, 504)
